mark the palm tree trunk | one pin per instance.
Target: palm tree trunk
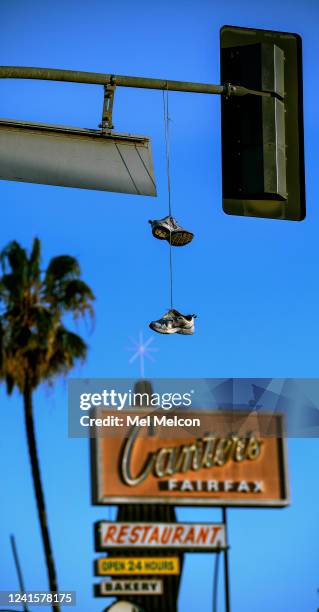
(38, 489)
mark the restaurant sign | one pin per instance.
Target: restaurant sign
(117, 587)
(186, 536)
(230, 461)
(127, 566)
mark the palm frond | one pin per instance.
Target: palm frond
(34, 343)
(34, 261)
(69, 349)
(1, 348)
(11, 288)
(77, 297)
(14, 255)
(9, 384)
(60, 269)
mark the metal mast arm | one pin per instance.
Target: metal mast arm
(92, 78)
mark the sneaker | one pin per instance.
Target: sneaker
(168, 229)
(173, 322)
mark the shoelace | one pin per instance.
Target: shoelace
(173, 222)
(167, 320)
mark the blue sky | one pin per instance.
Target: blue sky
(253, 283)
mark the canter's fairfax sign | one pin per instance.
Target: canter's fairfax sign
(109, 588)
(126, 566)
(211, 467)
(186, 536)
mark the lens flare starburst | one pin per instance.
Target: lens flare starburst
(142, 350)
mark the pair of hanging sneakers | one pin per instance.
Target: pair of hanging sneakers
(173, 322)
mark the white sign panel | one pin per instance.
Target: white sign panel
(187, 536)
(74, 157)
(109, 588)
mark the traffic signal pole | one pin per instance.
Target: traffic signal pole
(262, 138)
(95, 78)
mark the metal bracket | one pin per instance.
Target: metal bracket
(239, 90)
(107, 124)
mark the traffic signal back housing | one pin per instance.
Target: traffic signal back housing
(262, 135)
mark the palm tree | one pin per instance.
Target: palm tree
(35, 345)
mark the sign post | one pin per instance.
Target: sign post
(226, 565)
(171, 582)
